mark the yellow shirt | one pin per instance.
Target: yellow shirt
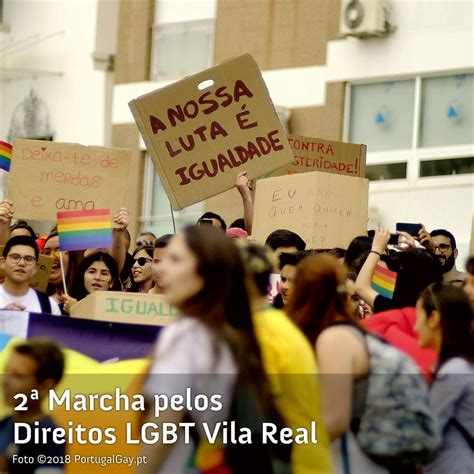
(290, 363)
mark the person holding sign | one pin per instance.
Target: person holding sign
(97, 272)
(20, 263)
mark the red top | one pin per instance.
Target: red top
(396, 327)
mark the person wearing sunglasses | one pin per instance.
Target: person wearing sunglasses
(141, 269)
(19, 264)
(444, 245)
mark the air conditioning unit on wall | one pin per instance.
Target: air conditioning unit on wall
(365, 18)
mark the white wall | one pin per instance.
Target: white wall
(76, 95)
(174, 11)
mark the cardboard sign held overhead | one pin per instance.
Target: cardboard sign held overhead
(46, 177)
(41, 277)
(316, 154)
(118, 307)
(204, 130)
(326, 210)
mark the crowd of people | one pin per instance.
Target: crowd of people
(299, 331)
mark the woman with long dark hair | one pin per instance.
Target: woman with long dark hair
(142, 269)
(444, 323)
(97, 272)
(210, 347)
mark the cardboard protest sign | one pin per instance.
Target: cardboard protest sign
(41, 278)
(326, 210)
(204, 130)
(316, 154)
(119, 307)
(46, 177)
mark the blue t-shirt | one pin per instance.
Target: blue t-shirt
(8, 448)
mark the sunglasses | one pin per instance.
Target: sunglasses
(142, 261)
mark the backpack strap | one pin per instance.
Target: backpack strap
(44, 302)
(465, 434)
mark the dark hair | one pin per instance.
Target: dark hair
(212, 215)
(444, 233)
(285, 238)
(162, 242)
(223, 303)
(47, 355)
(319, 294)
(416, 270)
(147, 248)
(292, 258)
(23, 225)
(470, 266)
(259, 262)
(21, 240)
(239, 223)
(78, 289)
(356, 248)
(456, 320)
(337, 252)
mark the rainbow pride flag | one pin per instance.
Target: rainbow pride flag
(5, 155)
(383, 281)
(81, 230)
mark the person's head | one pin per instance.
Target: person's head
(416, 269)
(319, 296)
(239, 223)
(97, 272)
(34, 364)
(19, 260)
(285, 241)
(288, 263)
(213, 220)
(141, 269)
(468, 284)
(444, 322)
(357, 247)
(51, 249)
(338, 252)
(259, 262)
(158, 250)
(146, 238)
(22, 228)
(445, 248)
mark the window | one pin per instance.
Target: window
(157, 214)
(447, 167)
(414, 129)
(181, 49)
(382, 115)
(447, 111)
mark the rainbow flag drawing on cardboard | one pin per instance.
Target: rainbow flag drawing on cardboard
(5, 155)
(81, 230)
(383, 281)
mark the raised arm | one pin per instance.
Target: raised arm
(364, 279)
(243, 186)
(119, 242)
(6, 216)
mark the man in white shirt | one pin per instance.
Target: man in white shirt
(19, 263)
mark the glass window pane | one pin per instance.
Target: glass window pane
(447, 110)
(386, 171)
(382, 115)
(447, 167)
(181, 49)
